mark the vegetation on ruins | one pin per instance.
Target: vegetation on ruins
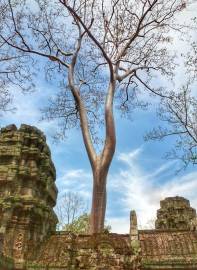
(79, 225)
(102, 53)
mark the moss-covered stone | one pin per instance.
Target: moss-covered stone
(25, 161)
(175, 213)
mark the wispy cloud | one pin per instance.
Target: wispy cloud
(27, 109)
(142, 190)
(134, 187)
(78, 181)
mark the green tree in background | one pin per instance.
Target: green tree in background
(72, 214)
(70, 207)
(81, 225)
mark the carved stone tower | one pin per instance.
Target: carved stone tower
(27, 191)
(175, 213)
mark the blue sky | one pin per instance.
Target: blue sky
(139, 176)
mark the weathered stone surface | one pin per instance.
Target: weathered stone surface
(133, 226)
(175, 213)
(27, 190)
(102, 251)
(168, 249)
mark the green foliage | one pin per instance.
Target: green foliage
(81, 225)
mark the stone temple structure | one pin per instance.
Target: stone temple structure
(29, 241)
(173, 244)
(175, 213)
(27, 191)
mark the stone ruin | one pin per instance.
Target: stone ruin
(175, 213)
(29, 241)
(27, 190)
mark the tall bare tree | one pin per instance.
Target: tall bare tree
(69, 207)
(101, 53)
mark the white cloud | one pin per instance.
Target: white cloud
(78, 181)
(137, 189)
(28, 109)
(119, 224)
(142, 190)
(131, 156)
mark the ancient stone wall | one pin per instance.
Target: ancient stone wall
(87, 252)
(168, 249)
(27, 190)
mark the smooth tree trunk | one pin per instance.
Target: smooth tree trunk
(101, 166)
(100, 163)
(97, 217)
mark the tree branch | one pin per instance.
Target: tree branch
(82, 110)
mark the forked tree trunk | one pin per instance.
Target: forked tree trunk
(100, 167)
(100, 163)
